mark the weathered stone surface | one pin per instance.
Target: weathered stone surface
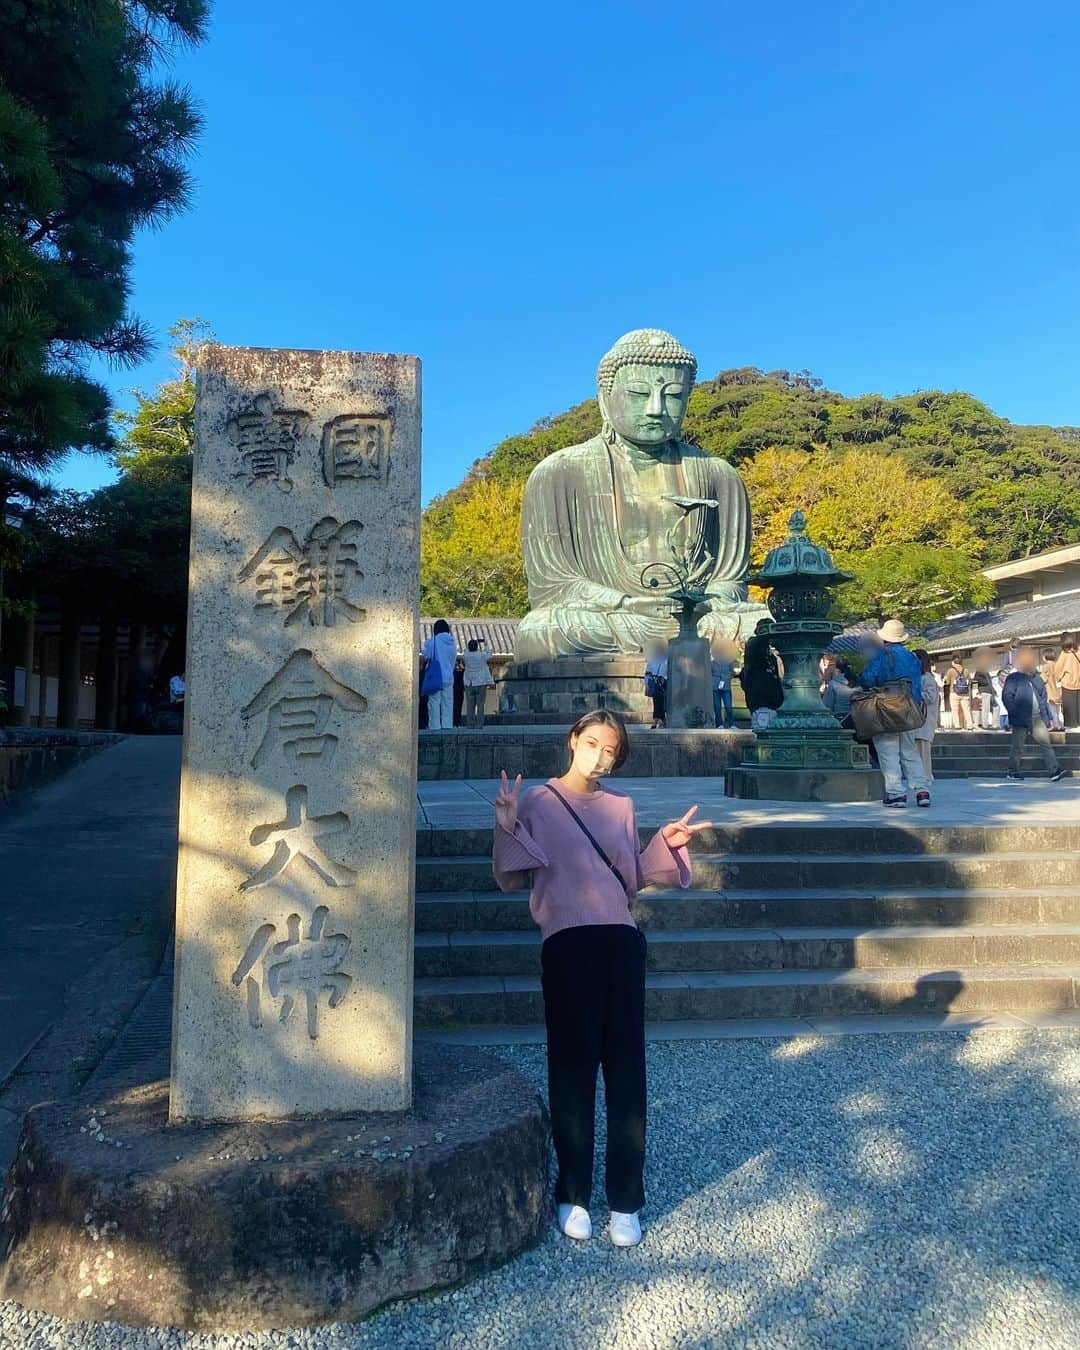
(295, 910)
(689, 691)
(243, 1226)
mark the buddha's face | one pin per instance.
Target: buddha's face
(647, 404)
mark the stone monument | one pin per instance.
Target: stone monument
(297, 1166)
(294, 930)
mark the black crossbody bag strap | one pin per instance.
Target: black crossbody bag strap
(590, 836)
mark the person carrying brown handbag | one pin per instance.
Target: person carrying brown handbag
(898, 754)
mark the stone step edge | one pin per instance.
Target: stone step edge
(832, 859)
(450, 985)
(751, 895)
(783, 933)
(760, 1028)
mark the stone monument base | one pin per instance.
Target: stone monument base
(558, 692)
(805, 766)
(112, 1214)
(536, 693)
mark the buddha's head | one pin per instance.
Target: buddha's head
(643, 386)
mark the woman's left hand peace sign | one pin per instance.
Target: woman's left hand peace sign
(679, 832)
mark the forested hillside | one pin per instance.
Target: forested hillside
(913, 494)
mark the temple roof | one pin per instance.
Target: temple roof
(1044, 620)
(495, 635)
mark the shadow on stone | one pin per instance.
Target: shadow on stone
(112, 1214)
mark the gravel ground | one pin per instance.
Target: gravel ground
(864, 1191)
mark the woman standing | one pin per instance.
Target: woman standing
(1067, 674)
(931, 696)
(440, 651)
(1053, 690)
(578, 844)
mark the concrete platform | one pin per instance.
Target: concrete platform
(970, 801)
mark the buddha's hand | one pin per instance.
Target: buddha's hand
(657, 606)
(679, 832)
(506, 803)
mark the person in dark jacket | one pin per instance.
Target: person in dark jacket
(1024, 696)
(760, 677)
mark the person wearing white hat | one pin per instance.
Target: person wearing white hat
(897, 751)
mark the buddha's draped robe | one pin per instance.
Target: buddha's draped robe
(594, 516)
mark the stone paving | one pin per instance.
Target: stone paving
(86, 885)
(956, 801)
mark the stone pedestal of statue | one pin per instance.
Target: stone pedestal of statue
(559, 691)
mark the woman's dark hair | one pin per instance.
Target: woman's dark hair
(1068, 642)
(603, 717)
(844, 667)
(474, 646)
(441, 626)
(924, 660)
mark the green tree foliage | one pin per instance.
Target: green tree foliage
(159, 434)
(875, 475)
(470, 553)
(91, 148)
(917, 582)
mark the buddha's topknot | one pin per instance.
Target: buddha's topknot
(644, 347)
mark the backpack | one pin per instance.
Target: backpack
(961, 685)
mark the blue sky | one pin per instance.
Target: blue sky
(887, 195)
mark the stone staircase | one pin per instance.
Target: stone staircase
(785, 921)
(985, 754)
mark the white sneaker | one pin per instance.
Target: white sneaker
(624, 1229)
(575, 1222)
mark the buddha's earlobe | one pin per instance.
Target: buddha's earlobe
(607, 431)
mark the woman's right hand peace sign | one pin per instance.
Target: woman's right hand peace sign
(506, 803)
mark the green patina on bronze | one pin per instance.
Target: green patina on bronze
(599, 519)
(805, 754)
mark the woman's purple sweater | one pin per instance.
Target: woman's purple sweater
(571, 884)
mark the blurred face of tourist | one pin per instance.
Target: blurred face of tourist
(1027, 660)
(594, 752)
(647, 404)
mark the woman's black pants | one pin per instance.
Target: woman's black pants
(594, 1007)
(1070, 708)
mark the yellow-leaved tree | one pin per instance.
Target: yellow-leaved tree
(904, 537)
(470, 552)
(854, 501)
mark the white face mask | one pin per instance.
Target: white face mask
(591, 760)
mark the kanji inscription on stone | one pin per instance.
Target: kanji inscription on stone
(301, 835)
(266, 439)
(295, 883)
(299, 701)
(293, 968)
(313, 580)
(355, 446)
